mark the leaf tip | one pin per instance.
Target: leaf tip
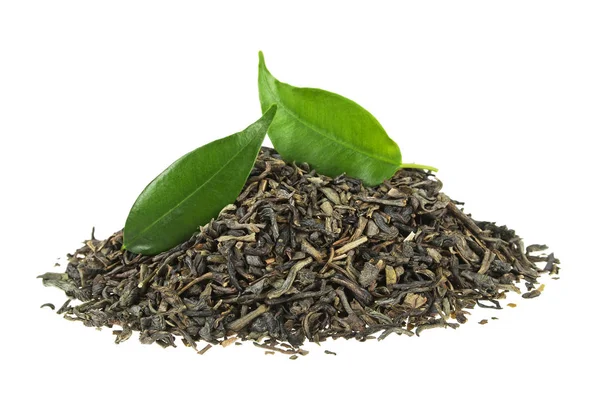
(271, 111)
(261, 58)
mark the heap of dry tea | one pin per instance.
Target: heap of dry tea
(301, 256)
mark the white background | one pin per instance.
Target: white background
(96, 98)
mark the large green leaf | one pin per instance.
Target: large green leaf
(193, 190)
(330, 132)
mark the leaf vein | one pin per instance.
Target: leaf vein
(194, 192)
(323, 133)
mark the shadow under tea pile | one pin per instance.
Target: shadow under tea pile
(303, 256)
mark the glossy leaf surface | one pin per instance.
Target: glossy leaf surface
(193, 190)
(330, 132)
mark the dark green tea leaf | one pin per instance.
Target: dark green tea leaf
(193, 190)
(330, 132)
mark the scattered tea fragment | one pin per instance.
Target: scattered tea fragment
(229, 341)
(328, 352)
(512, 305)
(122, 335)
(483, 321)
(532, 294)
(304, 257)
(204, 349)
(49, 305)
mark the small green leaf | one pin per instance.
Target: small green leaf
(330, 132)
(193, 190)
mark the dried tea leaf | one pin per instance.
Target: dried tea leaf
(532, 294)
(275, 268)
(368, 275)
(229, 341)
(414, 300)
(391, 277)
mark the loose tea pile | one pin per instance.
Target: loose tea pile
(301, 256)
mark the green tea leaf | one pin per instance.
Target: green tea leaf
(193, 190)
(330, 132)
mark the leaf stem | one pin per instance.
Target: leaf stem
(417, 166)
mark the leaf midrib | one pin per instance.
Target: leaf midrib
(193, 193)
(321, 132)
